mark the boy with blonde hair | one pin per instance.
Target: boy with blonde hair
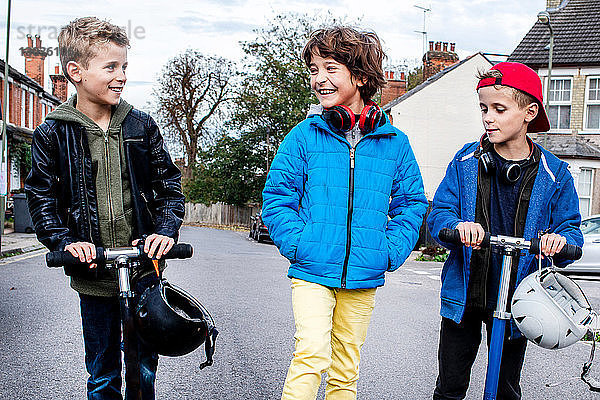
(101, 176)
(344, 203)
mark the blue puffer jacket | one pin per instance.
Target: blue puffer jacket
(328, 213)
(553, 204)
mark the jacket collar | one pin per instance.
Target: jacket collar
(385, 130)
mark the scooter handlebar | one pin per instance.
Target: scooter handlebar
(180, 250)
(65, 258)
(569, 251)
(55, 259)
(453, 236)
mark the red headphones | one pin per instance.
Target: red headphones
(341, 118)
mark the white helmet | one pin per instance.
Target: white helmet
(551, 310)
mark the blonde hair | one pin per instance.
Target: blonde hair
(80, 39)
(523, 99)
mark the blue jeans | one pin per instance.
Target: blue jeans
(101, 322)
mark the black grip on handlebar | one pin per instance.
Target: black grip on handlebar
(181, 250)
(453, 236)
(569, 251)
(56, 259)
(450, 236)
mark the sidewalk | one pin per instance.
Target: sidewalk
(17, 243)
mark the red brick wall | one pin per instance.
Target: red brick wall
(59, 86)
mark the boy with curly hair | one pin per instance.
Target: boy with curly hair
(343, 203)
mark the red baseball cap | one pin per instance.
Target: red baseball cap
(520, 76)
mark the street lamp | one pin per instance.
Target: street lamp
(544, 18)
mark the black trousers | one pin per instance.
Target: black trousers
(457, 351)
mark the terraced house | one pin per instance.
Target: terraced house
(28, 105)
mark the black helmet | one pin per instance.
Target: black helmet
(172, 322)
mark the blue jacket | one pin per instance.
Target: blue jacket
(553, 204)
(343, 222)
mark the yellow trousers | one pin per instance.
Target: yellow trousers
(331, 327)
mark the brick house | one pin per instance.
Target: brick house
(28, 105)
(574, 101)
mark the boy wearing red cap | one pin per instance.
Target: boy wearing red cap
(507, 185)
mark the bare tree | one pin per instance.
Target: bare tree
(191, 94)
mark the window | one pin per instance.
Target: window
(590, 226)
(592, 101)
(559, 110)
(584, 190)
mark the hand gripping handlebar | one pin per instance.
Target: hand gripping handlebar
(569, 251)
(103, 256)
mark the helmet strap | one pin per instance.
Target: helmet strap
(593, 384)
(209, 347)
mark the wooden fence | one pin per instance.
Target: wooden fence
(218, 214)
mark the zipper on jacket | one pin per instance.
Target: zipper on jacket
(108, 195)
(84, 192)
(486, 218)
(349, 218)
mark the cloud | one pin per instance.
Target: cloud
(193, 24)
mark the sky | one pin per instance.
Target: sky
(159, 30)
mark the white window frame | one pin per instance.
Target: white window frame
(31, 99)
(23, 94)
(561, 102)
(588, 102)
(591, 192)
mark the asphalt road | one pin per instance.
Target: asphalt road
(244, 285)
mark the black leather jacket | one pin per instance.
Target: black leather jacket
(61, 191)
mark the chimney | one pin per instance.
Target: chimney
(34, 59)
(59, 84)
(393, 88)
(435, 61)
(430, 45)
(552, 3)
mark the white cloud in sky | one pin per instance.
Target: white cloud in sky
(215, 27)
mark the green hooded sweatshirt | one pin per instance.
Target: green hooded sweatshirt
(113, 190)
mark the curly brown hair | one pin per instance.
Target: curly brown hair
(80, 39)
(360, 52)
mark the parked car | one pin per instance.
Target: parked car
(590, 262)
(258, 229)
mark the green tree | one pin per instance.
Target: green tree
(226, 173)
(415, 78)
(274, 95)
(275, 92)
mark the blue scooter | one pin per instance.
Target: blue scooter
(510, 247)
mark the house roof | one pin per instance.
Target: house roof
(429, 81)
(22, 78)
(576, 30)
(570, 146)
